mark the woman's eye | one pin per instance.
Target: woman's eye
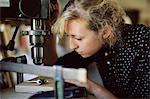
(79, 39)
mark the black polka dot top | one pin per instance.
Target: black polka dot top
(125, 67)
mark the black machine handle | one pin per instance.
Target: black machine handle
(11, 43)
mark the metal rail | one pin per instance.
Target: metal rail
(47, 71)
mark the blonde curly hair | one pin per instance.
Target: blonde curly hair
(98, 13)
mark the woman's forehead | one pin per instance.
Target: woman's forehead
(76, 24)
(78, 20)
(78, 27)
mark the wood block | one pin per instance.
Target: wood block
(30, 87)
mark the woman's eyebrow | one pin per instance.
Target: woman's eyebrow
(66, 34)
(76, 36)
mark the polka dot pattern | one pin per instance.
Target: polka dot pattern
(125, 67)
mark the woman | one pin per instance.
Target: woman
(97, 33)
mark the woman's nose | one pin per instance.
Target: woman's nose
(72, 44)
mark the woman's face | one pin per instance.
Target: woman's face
(81, 39)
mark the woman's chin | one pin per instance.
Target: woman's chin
(85, 56)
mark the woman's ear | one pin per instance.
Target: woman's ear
(107, 32)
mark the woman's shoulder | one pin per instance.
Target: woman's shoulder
(135, 33)
(134, 29)
(71, 60)
(74, 60)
